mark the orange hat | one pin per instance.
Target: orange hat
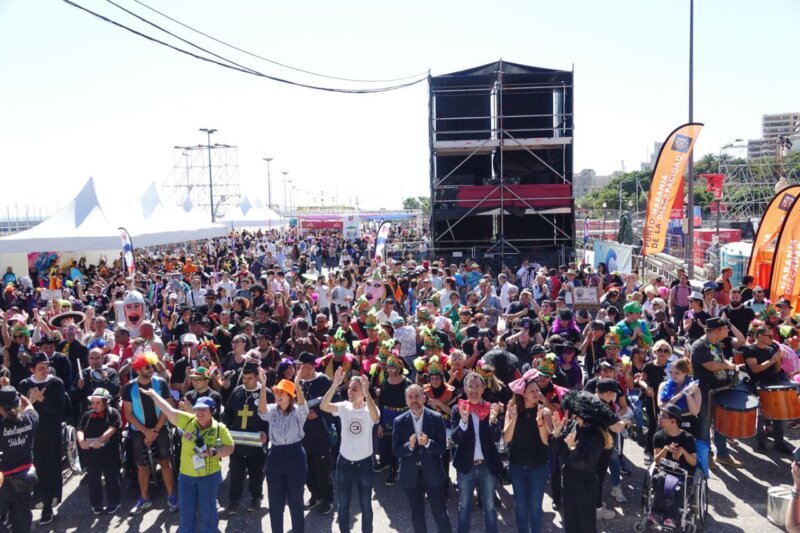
(286, 386)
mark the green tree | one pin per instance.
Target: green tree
(419, 202)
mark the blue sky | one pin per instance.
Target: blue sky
(81, 98)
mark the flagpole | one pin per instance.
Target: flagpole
(690, 167)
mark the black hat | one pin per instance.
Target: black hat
(784, 301)
(565, 314)
(196, 318)
(674, 411)
(263, 332)
(250, 367)
(716, 322)
(607, 385)
(538, 348)
(38, 358)
(76, 316)
(568, 345)
(297, 309)
(50, 338)
(307, 358)
(9, 397)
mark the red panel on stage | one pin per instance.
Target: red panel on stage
(321, 224)
(545, 195)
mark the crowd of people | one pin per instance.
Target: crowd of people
(311, 364)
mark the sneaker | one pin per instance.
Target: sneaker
(616, 492)
(172, 502)
(255, 505)
(326, 507)
(47, 517)
(111, 509)
(648, 458)
(669, 522)
(604, 513)
(141, 505)
(712, 463)
(233, 508)
(730, 461)
(310, 504)
(380, 467)
(97, 511)
(624, 471)
(392, 479)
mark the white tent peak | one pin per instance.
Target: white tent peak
(188, 205)
(84, 203)
(150, 200)
(245, 206)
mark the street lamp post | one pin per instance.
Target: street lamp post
(285, 205)
(208, 132)
(690, 166)
(603, 236)
(718, 258)
(269, 183)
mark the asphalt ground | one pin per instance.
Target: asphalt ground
(737, 502)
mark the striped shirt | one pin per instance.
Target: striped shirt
(285, 428)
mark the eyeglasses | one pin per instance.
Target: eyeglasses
(663, 350)
(768, 335)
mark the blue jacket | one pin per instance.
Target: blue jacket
(465, 442)
(421, 461)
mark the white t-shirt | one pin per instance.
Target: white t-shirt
(356, 431)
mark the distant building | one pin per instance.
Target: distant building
(587, 181)
(650, 165)
(772, 128)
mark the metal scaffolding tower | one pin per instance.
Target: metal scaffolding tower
(750, 184)
(190, 177)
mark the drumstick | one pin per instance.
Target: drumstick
(80, 370)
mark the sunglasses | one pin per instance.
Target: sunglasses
(663, 350)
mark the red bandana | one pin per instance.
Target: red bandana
(480, 409)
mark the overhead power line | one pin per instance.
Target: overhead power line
(235, 66)
(154, 10)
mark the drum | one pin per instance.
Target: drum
(779, 401)
(778, 500)
(735, 413)
(247, 438)
(738, 358)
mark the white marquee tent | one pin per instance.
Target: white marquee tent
(247, 214)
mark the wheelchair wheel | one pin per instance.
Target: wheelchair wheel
(639, 527)
(70, 447)
(647, 495)
(701, 502)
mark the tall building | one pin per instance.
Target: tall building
(650, 165)
(772, 128)
(587, 181)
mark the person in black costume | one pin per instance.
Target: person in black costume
(46, 393)
(582, 437)
(18, 424)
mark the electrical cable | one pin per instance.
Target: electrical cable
(271, 60)
(245, 70)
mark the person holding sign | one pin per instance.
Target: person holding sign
(205, 441)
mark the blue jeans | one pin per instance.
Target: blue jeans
(199, 494)
(486, 482)
(347, 473)
(529, 483)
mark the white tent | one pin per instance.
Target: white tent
(81, 225)
(247, 214)
(151, 223)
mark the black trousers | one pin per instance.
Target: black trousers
(47, 460)
(249, 463)
(18, 505)
(437, 503)
(579, 508)
(95, 473)
(319, 480)
(652, 421)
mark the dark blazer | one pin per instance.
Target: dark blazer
(465, 442)
(421, 460)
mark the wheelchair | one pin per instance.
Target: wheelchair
(692, 511)
(70, 451)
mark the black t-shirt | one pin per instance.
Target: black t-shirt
(654, 374)
(697, 326)
(682, 439)
(741, 317)
(148, 408)
(181, 368)
(770, 375)
(16, 444)
(705, 352)
(192, 396)
(527, 448)
(94, 425)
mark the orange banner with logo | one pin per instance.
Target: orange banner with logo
(784, 281)
(771, 224)
(665, 185)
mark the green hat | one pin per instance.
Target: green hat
(632, 307)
